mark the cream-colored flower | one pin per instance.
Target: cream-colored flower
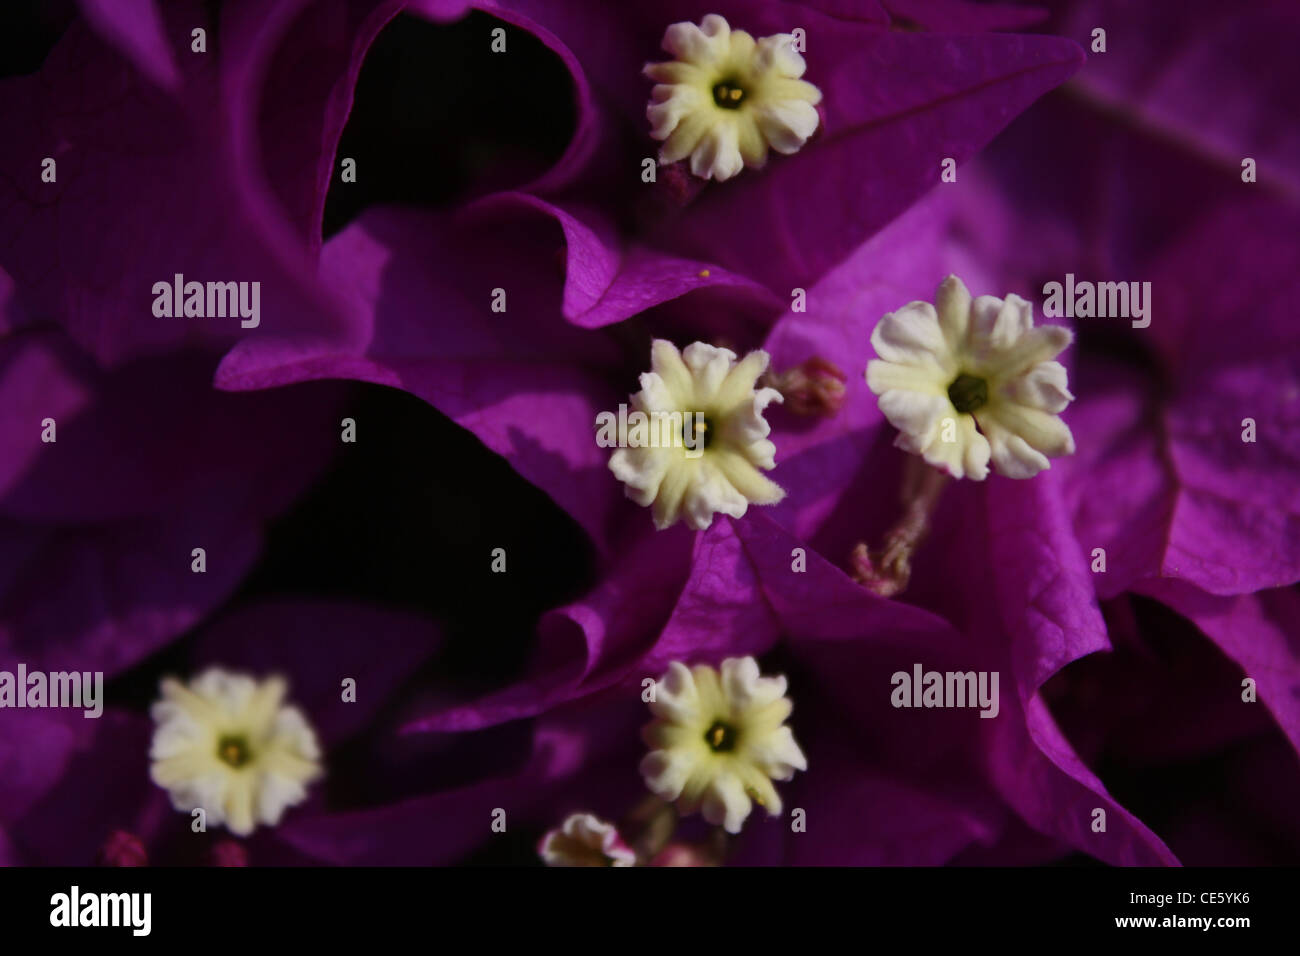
(715, 469)
(584, 839)
(228, 744)
(727, 97)
(973, 381)
(719, 740)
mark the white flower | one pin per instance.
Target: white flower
(585, 840)
(726, 98)
(228, 744)
(971, 381)
(719, 740)
(714, 470)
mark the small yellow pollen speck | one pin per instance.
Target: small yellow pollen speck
(697, 431)
(704, 273)
(233, 751)
(717, 735)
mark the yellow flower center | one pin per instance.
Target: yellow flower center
(721, 737)
(968, 393)
(728, 94)
(697, 432)
(234, 751)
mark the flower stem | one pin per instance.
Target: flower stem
(887, 571)
(648, 827)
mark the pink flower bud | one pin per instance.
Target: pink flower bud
(684, 854)
(123, 849)
(814, 388)
(229, 853)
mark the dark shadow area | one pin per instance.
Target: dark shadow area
(28, 31)
(422, 135)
